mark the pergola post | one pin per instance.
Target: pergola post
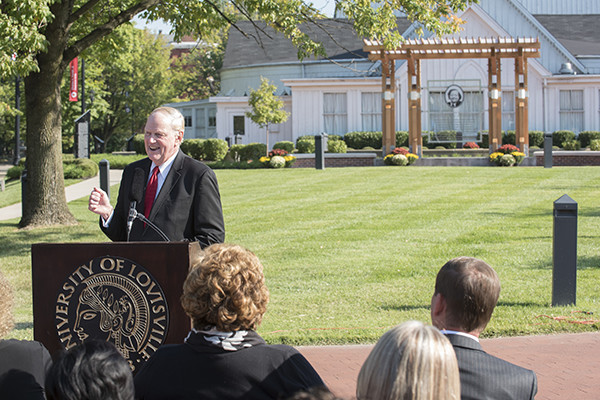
(495, 101)
(415, 50)
(521, 103)
(415, 140)
(388, 103)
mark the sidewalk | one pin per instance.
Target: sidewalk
(567, 365)
(73, 192)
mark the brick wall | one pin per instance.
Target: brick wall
(336, 160)
(564, 158)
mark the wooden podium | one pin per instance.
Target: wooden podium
(123, 292)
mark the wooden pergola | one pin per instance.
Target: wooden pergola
(415, 50)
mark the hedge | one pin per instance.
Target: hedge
(559, 137)
(586, 137)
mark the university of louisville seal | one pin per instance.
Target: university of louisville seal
(111, 298)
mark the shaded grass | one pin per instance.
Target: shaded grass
(350, 252)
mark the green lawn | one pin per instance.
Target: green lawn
(350, 252)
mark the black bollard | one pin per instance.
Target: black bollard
(547, 150)
(564, 252)
(105, 176)
(320, 144)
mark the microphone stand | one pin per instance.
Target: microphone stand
(133, 212)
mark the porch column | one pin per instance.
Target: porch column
(495, 101)
(521, 103)
(415, 140)
(388, 101)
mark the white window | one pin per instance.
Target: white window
(335, 113)
(508, 110)
(571, 110)
(370, 111)
(188, 120)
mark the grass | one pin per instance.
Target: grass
(350, 252)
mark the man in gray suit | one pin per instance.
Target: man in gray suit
(466, 292)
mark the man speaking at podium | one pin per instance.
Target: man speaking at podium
(165, 197)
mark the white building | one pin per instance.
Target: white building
(343, 93)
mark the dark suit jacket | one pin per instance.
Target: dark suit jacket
(23, 367)
(188, 206)
(483, 376)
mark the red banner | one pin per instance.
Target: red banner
(73, 90)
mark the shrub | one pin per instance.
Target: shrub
(485, 139)
(79, 168)
(304, 137)
(194, 148)
(509, 137)
(284, 145)
(536, 138)
(586, 137)
(234, 152)
(401, 139)
(572, 145)
(470, 145)
(358, 140)
(334, 137)
(277, 162)
(214, 149)
(559, 137)
(507, 160)
(395, 159)
(138, 144)
(507, 148)
(15, 172)
(336, 146)
(278, 152)
(595, 145)
(252, 151)
(391, 158)
(306, 146)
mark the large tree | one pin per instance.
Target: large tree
(74, 25)
(127, 74)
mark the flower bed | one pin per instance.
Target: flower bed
(507, 156)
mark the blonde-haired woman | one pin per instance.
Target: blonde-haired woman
(223, 357)
(411, 361)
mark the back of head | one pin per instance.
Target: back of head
(226, 289)
(471, 289)
(410, 361)
(93, 370)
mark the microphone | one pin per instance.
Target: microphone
(135, 195)
(134, 214)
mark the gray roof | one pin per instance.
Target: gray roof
(578, 33)
(263, 45)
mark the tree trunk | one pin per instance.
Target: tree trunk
(45, 202)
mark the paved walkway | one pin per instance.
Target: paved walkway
(567, 365)
(73, 192)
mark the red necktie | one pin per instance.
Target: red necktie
(151, 192)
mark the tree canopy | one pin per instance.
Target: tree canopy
(46, 35)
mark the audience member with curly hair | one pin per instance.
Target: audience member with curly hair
(93, 370)
(410, 362)
(23, 364)
(223, 357)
